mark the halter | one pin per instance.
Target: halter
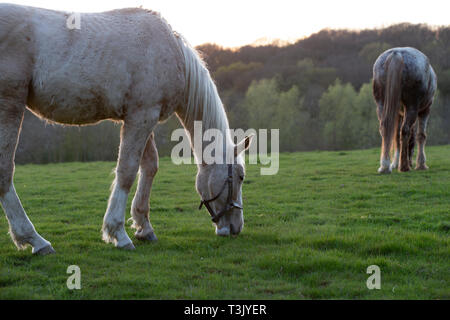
(230, 203)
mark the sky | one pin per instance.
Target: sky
(233, 23)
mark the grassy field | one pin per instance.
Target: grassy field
(311, 232)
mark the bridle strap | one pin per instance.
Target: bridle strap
(230, 203)
(205, 202)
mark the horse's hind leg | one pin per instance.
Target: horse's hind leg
(21, 229)
(412, 143)
(405, 134)
(421, 139)
(385, 145)
(134, 134)
(395, 160)
(140, 206)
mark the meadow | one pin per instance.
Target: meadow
(310, 232)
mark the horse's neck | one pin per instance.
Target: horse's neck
(202, 102)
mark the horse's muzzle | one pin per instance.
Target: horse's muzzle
(235, 230)
(223, 232)
(228, 230)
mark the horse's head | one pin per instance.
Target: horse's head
(220, 188)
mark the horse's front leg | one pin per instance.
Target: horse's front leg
(21, 229)
(140, 206)
(412, 143)
(135, 131)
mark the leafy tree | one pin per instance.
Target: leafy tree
(269, 108)
(371, 51)
(339, 115)
(438, 131)
(367, 134)
(237, 75)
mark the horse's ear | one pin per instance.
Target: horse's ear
(243, 145)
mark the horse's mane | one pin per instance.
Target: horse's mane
(202, 99)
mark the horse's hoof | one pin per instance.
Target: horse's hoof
(44, 251)
(404, 169)
(149, 237)
(129, 247)
(385, 170)
(422, 167)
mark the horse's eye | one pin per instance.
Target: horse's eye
(241, 177)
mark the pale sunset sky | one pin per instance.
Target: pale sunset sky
(233, 23)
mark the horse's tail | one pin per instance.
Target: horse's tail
(201, 96)
(392, 96)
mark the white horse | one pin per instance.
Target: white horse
(124, 65)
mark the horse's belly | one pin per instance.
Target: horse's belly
(73, 106)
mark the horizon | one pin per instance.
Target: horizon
(261, 22)
(261, 42)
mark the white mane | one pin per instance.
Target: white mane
(201, 96)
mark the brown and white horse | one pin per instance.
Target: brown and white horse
(404, 84)
(124, 65)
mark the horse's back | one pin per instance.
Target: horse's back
(416, 64)
(92, 73)
(418, 80)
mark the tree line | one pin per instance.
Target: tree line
(317, 91)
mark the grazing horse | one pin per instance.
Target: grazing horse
(124, 65)
(404, 84)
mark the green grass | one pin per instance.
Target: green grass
(311, 232)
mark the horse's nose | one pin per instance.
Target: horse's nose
(235, 230)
